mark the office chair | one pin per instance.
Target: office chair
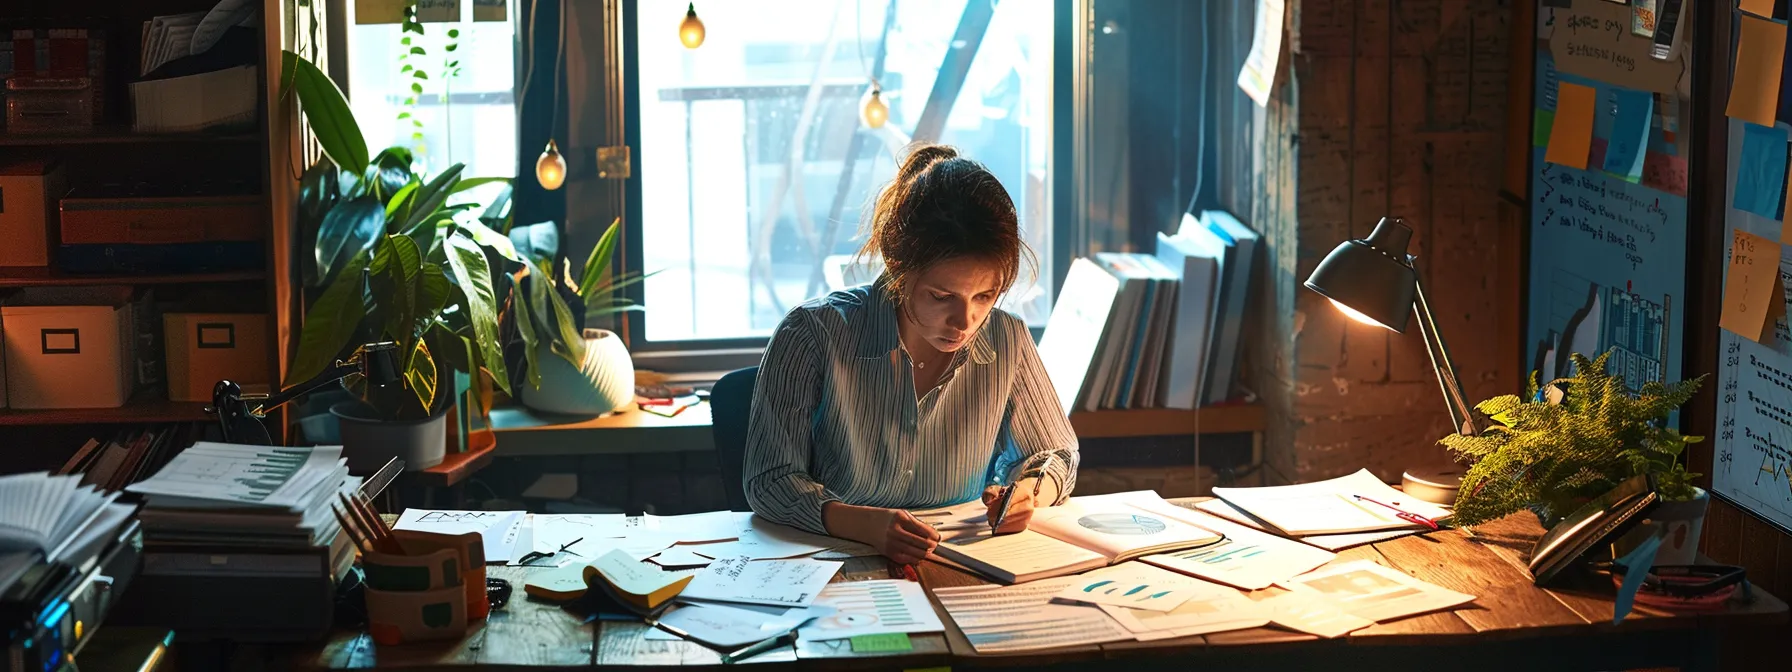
(730, 403)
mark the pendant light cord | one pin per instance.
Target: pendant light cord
(529, 74)
(1201, 115)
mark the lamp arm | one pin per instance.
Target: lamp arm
(1460, 412)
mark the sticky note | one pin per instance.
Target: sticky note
(1541, 121)
(1630, 134)
(1760, 58)
(1571, 136)
(886, 643)
(1761, 170)
(1750, 286)
(1758, 7)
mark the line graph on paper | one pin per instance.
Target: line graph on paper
(1752, 457)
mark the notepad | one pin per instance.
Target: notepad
(640, 587)
(1082, 534)
(1331, 507)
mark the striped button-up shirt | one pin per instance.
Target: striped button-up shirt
(835, 416)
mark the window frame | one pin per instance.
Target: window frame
(732, 353)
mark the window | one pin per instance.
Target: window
(469, 117)
(753, 164)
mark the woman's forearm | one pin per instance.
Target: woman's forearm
(844, 521)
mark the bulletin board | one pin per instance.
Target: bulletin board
(1752, 463)
(1607, 238)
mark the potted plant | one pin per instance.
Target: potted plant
(391, 261)
(568, 368)
(1575, 438)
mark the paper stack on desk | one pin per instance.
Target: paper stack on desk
(245, 497)
(46, 518)
(1350, 504)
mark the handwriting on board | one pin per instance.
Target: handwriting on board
(1753, 292)
(1593, 38)
(1606, 209)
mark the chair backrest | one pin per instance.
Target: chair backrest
(730, 404)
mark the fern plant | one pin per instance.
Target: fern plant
(1570, 441)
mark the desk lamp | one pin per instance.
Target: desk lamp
(239, 414)
(1373, 281)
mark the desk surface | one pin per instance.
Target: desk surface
(1511, 625)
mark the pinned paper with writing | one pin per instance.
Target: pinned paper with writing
(1594, 39)
(1571, 136)
(1760, 60)
(438, 11)
(1630, 134)
(1761, 172)
(1259, 73)
(1753, 293)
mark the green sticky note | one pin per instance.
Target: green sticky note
(892, 643)
(1541, 123)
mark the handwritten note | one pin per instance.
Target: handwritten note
(779, 583)
(1760, 59)
(1258, 76)
(1594, 39)
(438, 11)
(1752, 287)
(1630, 134)
(1761, 171)
(1571, 137)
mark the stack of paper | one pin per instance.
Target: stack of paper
(53, 519)
(1023, 617)
(498, 530)
(1350, 504)
(245, 496)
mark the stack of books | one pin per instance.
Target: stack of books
(128, 455)
(1153, 331)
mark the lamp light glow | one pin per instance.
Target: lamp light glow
(550, 169)
(1353, 314)
(875, 112)
(690, 31)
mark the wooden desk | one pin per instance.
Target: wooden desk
(1511, 625)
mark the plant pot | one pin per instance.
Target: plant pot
(369, 442)
(605, 382)
(1683, 521)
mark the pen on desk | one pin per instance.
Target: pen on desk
(764, 645)
(1402, 514)
(1008, 492)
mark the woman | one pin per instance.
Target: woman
(913, 391)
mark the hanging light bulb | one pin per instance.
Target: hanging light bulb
(550, 169)
(690, 31)
(875, 112)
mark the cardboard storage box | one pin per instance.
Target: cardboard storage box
(28, 194)
(204, 348)
(68, 349)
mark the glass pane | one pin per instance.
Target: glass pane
(468, 118)
(763, 120)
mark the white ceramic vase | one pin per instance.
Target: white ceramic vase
(604, 382)
(1684, 521)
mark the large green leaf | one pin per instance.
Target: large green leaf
(347, 230)
(331, 322)
(390, 170)
(599, 261)
(396, 267)
(467, 261)
(421, 374)
(538, 242)
(432, 291)
(476, 182)
(401, 199)
(318, 195)
(328, 114)
(525, 325)
(431, 197)
(499, 242)
(570, 340)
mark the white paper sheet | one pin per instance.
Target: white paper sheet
(1258, 75)
(1023, 617)
(1131, 594)
(1330, 542)
(498, 530)
(1331, 506)
(1246, 559)
(1311, 614)
(732, 625)
(783, 583)
(883, 606)
(758, 546)
(219, 475)
(1376, 593)
(681, 556)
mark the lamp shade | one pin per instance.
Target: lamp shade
(1371, 278)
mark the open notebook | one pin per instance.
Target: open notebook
(1082, 534)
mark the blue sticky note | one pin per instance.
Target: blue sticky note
(1630, 134)
(1761, 170)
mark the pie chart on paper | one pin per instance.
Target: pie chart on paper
(1122, 523)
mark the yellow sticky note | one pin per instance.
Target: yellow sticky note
(1758, 7)
(1760, 54)
(379, 11)
(1752, 287)
(1571, 138)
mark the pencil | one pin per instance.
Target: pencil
(350, 530)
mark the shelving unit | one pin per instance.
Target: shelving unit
(48, 277)
(137, 410)
(113, 135)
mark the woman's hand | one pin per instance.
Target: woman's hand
(893, 532)
(1020, 506)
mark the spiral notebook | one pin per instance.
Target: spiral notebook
(1082, 534)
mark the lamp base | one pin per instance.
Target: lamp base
(1437, 485)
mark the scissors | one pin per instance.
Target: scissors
(532, 556)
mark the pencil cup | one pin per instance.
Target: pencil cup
(419, 597)
(469, 549)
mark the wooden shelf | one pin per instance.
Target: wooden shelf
(525, 432)
(47, 277)
(134, 411)
(116, 135)
(1227, 419)
(456, 467)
